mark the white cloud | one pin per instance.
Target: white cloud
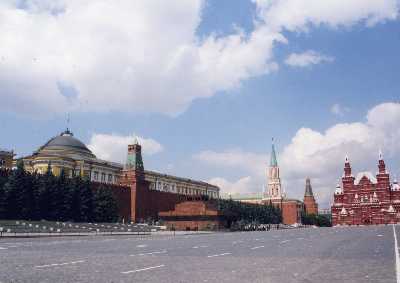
(235, 158)
(320, 155)
(301, 15)
(307, 58)
(114, 147)
(145, 56)
(241, 186)
(339, 110)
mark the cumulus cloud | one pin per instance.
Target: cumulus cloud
(307, 58)
(242, 186)
(320, 155)
(301, 15)
(145, 56)
(114, 147)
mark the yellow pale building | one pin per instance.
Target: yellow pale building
(65, 152)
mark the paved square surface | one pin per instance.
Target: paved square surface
(343, 254)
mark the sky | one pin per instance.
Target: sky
(206, 84)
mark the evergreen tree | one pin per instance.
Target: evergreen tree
(15, 183)
(105, 205)
(45, 201)
(86, 201)
(4, 174)
(61, 198)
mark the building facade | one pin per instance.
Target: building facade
(147, 201)
(366, 199)
(6, 159)
(168, 183)
(66, 153)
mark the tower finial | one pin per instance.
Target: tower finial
(380, 154)
(136, 141)
(346, 159)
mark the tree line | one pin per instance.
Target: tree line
(33, 196)
(317, 220)
(236, 212)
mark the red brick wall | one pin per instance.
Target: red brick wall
(291, 210)
(311, 207)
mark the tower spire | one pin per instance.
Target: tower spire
(273, 161)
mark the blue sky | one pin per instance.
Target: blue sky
(223, 133)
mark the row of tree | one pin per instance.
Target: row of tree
(33, 196)
(235, 212)
(317, 220)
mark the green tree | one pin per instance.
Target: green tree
(4, 175)
(12, 188)
(46, 184)
(105, 205)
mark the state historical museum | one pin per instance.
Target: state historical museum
(366, 199)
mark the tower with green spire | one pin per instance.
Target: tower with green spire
(134, 159)
(274, 187)
(273, 162)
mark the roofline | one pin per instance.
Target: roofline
(181, 179)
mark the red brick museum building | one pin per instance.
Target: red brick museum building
(366, 199)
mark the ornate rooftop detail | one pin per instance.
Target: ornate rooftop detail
(366, 174)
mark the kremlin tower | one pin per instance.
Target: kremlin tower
(310, 206)
(274, 187)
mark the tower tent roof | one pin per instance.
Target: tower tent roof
(308, 192)
(273, 162)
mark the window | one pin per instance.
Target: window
(103, 177)
(96, 176)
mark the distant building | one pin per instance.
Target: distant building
(168, 183)
(310, 205)
(141, 194)
(148, 199)
(366, 199)
(67, 153)
(274, 194)
(291, 208)
(6, 159)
